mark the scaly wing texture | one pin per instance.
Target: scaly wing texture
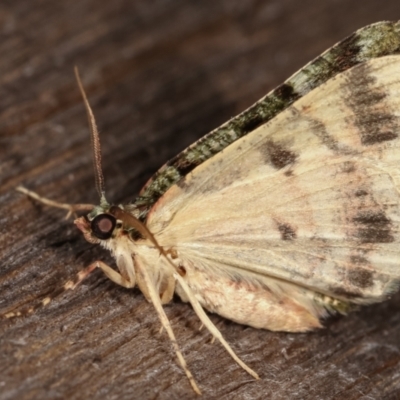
(311, 197)
(376, 40)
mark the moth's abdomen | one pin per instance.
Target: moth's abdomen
(271, 304)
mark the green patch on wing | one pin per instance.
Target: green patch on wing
(372, 41)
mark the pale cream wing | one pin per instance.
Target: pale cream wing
(312, 197)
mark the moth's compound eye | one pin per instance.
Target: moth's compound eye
(103, 225)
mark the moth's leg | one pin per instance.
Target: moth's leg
(71, 208)
(209, 325)
(69, 285)
(154, 296)
(115, 276)
(168, 290)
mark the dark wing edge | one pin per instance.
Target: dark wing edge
(376, 40)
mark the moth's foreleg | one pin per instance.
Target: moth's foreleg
(116, 277)
(69, 285)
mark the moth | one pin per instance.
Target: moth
(283, 215)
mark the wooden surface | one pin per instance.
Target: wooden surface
(159, 74)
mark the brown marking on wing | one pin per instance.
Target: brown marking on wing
(360, 277)
(287, 231)
(318, 128)
(370, 107)
(182, 183)
(348, 167)
(373, 227)
(358, 259)
(253, 123)
(278, 155)
(360, 192)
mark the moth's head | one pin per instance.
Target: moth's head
(99, 225)
(106, 223)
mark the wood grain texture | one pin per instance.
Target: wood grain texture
(159, 74)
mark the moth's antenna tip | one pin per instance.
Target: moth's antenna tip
(94, 135)
(77, 76)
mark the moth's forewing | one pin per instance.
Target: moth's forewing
(310, 198)
(372, 41)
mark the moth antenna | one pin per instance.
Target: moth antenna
(71, 208)
(95, 142)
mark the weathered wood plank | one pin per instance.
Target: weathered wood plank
(159, 75)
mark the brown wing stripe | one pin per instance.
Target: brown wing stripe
(370, 42)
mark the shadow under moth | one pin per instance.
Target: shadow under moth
(285, 214)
